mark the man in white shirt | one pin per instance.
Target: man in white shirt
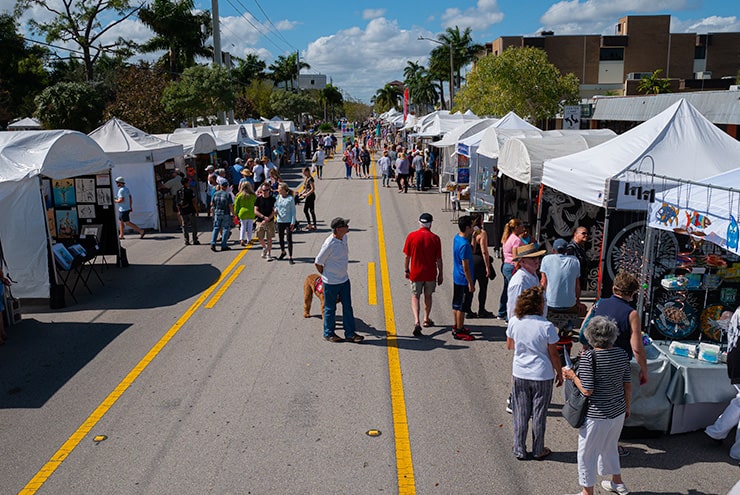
(332, 263)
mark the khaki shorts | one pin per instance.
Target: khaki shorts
(266, 230)
(426, 287)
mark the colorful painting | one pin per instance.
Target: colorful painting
(51, 221)
(67, 223)
(64, 192)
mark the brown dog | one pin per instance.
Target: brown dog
(313, 286)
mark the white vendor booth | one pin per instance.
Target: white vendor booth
(134, 154)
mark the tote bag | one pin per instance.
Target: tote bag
(575, 408)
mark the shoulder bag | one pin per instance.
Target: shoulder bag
(576, 407)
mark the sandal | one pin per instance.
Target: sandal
(543, 455)
(428, 323)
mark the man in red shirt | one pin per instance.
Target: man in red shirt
(423, 264)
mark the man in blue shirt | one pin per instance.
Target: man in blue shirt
(462, 277)
(560, 276)
(125, 202)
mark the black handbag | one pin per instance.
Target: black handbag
(493, 272)
(575, 408)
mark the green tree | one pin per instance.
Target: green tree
(290, 105)
(654, 84)
(70, 105)
(22, 72)
(356, 111)
(201, 92)
(80, 22)
(521, 80)
(138, 99)
(331, 98)
(286, 69)
(422, 88)
(254, 100)
(249, 68)
(463, 49)
(178, 31)
(387, 97)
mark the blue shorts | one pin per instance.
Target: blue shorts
(124, 216)
(462, 298)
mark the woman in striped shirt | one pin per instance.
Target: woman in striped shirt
(609, 389)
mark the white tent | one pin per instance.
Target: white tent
(24, 155)
(441, 122)
(716, 198)
(231, 134)
(134, 154)
(522, 158)
(510, 125)
(463, 131)
(27, 124)
(677, 143)
(194, 142)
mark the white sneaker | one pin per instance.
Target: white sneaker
(610, 486)
(264, 252)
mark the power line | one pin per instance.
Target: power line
(276, 30)
(241, 14)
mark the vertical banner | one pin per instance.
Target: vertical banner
(405, 103)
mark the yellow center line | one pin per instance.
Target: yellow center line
(369, 199)
(404, 463)
(224, 287)
(73, 441)
(372, 289)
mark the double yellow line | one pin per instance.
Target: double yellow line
(66, 449)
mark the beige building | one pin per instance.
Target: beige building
(640, 45)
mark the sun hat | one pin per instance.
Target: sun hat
(121, 180)
(528, 251)
(210, 168)
(339, 222)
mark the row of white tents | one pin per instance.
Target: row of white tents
(26, 156)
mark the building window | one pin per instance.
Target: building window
(611, 54)
(700, 52)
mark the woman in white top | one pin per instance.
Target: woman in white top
(536, 363)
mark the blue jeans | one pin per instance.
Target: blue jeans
(419, 179)
(347, 170)
(222, 222)
(330, 309)
(507, 270)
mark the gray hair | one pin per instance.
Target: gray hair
(601, 332)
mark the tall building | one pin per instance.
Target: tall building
(640, 45)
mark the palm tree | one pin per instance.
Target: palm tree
(422, 89)
(331, 97)
(250, 68)
(464, 51)
(654, 84)
(286, 69)
(178, 30)
(439, 69)
(387, 97)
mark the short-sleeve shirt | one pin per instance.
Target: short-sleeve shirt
(334, 257)
(513, 241)
(562, 271)
(521, 281)
(221, 201)
(461, 250)
(184, 198)
(265, 205)
(612, 372)
(531, 335)
(126, 195)
(424, 248)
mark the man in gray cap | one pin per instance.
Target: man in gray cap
(332, 263)
(125, 202)
(423, 268)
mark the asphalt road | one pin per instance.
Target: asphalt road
(204, 377)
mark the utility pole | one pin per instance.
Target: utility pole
(217, 61)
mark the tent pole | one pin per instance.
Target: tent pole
(539, 212)
(646, 275)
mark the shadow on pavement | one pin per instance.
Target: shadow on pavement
(40, 358)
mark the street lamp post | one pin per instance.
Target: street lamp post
(452, 70)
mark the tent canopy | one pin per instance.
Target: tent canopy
(193, 142)
(510, 125)
(24, 155)
(26, 124)
(522, 158)
(719, 205)
(124, 143)
(679, 143)
(232, 134)
(463, 131)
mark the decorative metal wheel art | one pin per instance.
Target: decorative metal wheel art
(627, 250)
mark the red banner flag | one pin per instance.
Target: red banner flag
(405, 103)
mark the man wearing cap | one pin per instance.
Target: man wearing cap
(223, 210)
(527, 260)
(332, 262)
(423, 267)
(462, 277)
(560, 277)
(235, 171)
(125, 202)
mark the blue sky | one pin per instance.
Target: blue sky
(361, 45)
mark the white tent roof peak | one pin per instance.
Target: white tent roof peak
(463, 131)
(677, 143)
(124, 143)
(513, 121)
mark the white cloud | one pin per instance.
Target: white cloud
(603, 11)
(372, 13)
(713, 24)
(360, 61)
(480, 17)
(286, 25)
